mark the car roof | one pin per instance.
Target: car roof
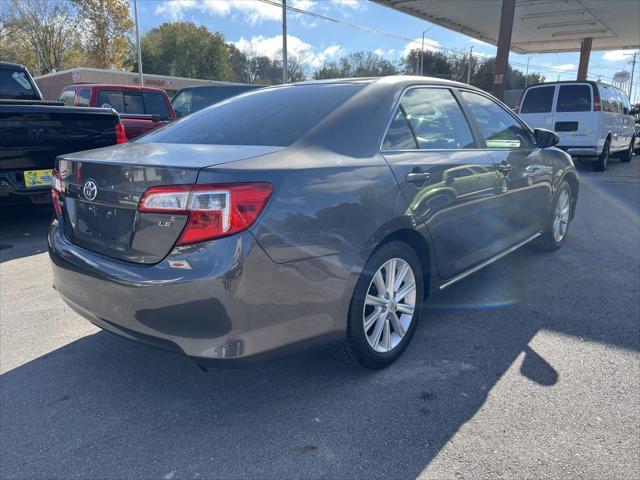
(114, 86)
(12, 65)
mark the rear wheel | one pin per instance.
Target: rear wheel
(384, 308)
(600, 165)
(627, 155)
(556, 233)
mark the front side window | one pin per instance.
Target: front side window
(538, 100)
(574, 98)
(83, 97)
(155, 104)
(68, 97)
(434, 118)
(498, 127)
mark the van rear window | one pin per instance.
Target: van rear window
(538, 100)
(574, 98)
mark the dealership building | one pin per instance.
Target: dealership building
(52, 84)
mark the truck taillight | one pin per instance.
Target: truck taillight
(121, 136)
(213, 211)
(596, 103)
(56, 190)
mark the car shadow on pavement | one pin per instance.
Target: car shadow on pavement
(23, 230)
(104, 407)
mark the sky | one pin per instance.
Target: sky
(256, 25)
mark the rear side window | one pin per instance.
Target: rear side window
(574, 98)
(276, 116)
(155, 103)
(400, 136)
(435, 118)
(68, 97)
(538, 100)
(83, 97)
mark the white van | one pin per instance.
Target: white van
(593, 119)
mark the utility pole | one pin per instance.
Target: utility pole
(469, 66)
(526, 73)
(633, 69)
(135, 10)
(285, 72)
(422, 49)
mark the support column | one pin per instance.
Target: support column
(585, 53)
(504, 44)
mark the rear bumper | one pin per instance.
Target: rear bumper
(221, 300)
(12, 184)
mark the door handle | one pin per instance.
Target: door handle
(418, 177)
(504, 167)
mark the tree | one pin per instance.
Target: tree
(515, 79)
(106, 24)
(239, 64)
(43, 34)
(185, 50)
(357, 64)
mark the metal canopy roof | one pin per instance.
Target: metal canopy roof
(539, 25)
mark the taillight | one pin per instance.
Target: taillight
(121, 135)
(596, 103)
(56, 190)
(213, 211)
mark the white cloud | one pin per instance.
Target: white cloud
(391, 51)
(565, 67)
(355, 4)
(251, 10)
(480, 42)
(617, 55)
(303, 4)
(417, 44)
(272, 47)
(378, 52)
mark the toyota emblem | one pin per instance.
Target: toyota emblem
(90, 190)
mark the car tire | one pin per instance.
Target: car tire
(550, 240)
(600, 165)
(380, 343)
(627, 155)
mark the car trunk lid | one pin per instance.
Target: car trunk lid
(102, 189)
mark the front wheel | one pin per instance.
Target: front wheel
(385, 307)
(556, 232)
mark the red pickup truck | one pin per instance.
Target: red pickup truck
(141, 108)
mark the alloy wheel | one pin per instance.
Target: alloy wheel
(561, 216)
(389, 305)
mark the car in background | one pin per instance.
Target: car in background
(593, 119)
(141, 109)
(191, 99)
(301, 214)
(33, 132)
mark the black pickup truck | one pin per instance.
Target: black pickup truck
(33, 132)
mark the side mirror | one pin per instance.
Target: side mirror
(545, 138)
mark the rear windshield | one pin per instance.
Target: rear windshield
(538, 100)
(15, 85)
(277, 117)
(574, 98)
(135, 103)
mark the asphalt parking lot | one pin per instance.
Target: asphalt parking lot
(528, 369)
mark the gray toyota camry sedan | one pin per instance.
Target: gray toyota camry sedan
(320, 212)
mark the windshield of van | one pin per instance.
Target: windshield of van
(538, 100)
(574, 98)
